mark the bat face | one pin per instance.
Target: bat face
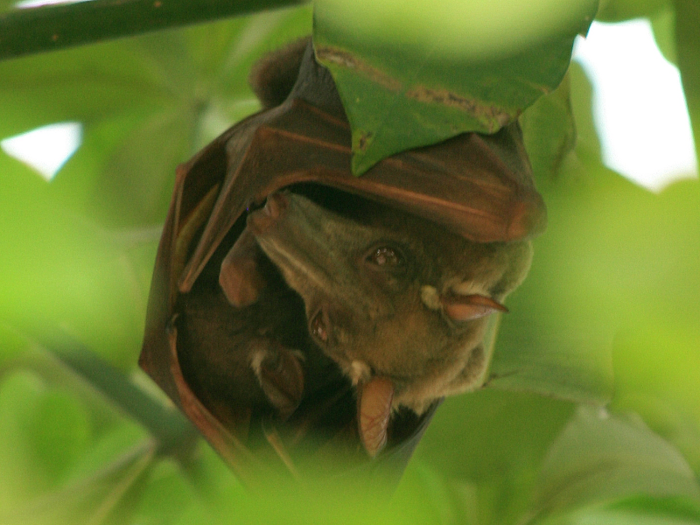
(389, 295)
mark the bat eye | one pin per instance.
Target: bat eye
(385, 257)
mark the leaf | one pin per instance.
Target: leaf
(663, 23)
(688, 49)
(165, 497)
(407, 84)
(104, 498)
(494, 441)
(172, 432)
(600, 459)
(42, 433)
(549, 131)
(615, 260)
(79, 251)
(618, 10)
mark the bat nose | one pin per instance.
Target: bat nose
(262, 220)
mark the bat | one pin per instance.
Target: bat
(297, 310)
(398, 302)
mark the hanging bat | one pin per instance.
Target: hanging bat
(299, 309)
(399, 303)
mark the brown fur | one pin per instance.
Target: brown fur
(377, 320)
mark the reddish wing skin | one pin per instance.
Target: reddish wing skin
(477, 186)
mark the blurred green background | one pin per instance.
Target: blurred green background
(593, 411)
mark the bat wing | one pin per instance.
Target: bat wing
(479, 186)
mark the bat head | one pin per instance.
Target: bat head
(390, 295)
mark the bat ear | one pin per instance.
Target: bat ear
(374, 411)
(469, 307)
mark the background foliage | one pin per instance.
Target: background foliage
(609, 311)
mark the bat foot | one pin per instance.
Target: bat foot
(281, 376)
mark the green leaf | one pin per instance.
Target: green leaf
(494, 442)
(601, 459)
(427, 73)
(62, 270)
(103, 498)
(79, 251)
(688, 49)
(663, 23)
(165, 497)
(172, 432)
(618, 10)
(42, 433)
(549, 131)
(614, 516)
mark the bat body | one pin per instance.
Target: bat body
(393, 299)
(298, 308)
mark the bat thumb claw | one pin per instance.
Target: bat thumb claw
(239, 278)
(374, 412)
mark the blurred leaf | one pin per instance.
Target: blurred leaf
(171, 430)
(79, 251)
(688, 48)
(618, 10)
(601, 459)
(93, 500)
(581, 96)
(644, 515)
(496, 441)
(549, 131)
(614, 256)
(165, 497)
(61, 270)
(58, 432)
(54, 27)
(407, 83)
(113, 443)
(23, 475)
(663, 23)
(12, 346)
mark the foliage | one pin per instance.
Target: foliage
(609, 311)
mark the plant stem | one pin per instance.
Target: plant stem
(48, 28)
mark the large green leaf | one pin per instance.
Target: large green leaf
(688, 48)
(618, 10)
(489, 445)
(602, 459)
(418, 74)
(549, 131)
